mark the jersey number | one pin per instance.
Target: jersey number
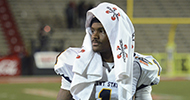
(105, 94)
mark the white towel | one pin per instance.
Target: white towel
(88, 66)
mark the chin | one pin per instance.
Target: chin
(96, 49)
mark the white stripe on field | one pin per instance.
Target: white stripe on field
(41, 92)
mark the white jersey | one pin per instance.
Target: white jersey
(146, 72)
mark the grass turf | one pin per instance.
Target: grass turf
(166, 90)
(19, 91)
(172, 90)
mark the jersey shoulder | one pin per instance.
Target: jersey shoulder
(147, 62)
(67, 56)
(65, 61)
(150, 69)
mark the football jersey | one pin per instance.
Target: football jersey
(150, 70)
(146, 72)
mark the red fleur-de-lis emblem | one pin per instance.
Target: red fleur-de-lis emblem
(113, 18)
(82, 51)
(119, 56)
(122, 49)
(78, 56)
(113, 10)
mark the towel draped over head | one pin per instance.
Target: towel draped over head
(88, 64)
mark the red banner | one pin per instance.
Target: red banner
(10, 66)
(10, 29)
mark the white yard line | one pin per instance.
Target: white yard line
(41, 92)
(166, 97)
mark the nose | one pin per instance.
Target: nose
(95, 35)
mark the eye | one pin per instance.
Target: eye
(92, 31)
(102, 31)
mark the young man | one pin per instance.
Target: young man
(106, 67)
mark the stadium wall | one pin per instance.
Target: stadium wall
(173, 63)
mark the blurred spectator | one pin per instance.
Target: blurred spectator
(70, 13)
(82, 9)
(90, 6)
(44, 38)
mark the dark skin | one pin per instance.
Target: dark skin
(64, 95)
(100, 43)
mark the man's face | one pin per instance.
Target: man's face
(100, 42)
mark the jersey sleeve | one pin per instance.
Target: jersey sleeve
(136, 75)
(140, 94)
(65, 84)
(150, 71)
(64, 63)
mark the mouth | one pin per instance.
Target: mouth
(95, 43)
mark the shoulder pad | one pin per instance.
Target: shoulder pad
(65, 61)
(68, 56)
(146, 60)
(150, 69)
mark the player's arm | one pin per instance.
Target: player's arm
(64, 92)
(64, 95)
(63, 67)
(144, 93)
(150, 75)
(139, 93)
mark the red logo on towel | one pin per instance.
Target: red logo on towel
(122, 53)
(113, 10)
(81, 51)
(78, 56)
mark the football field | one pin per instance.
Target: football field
(46, 88)
(172, 90)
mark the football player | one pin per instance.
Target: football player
(99, 80)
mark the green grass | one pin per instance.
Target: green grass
(17, 91)
(173, 90)
(166, 90)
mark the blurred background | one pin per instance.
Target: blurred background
(34, 32)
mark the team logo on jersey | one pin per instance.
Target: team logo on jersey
(122, 49)
(113, 11)
(82, 51)
(143, 60)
